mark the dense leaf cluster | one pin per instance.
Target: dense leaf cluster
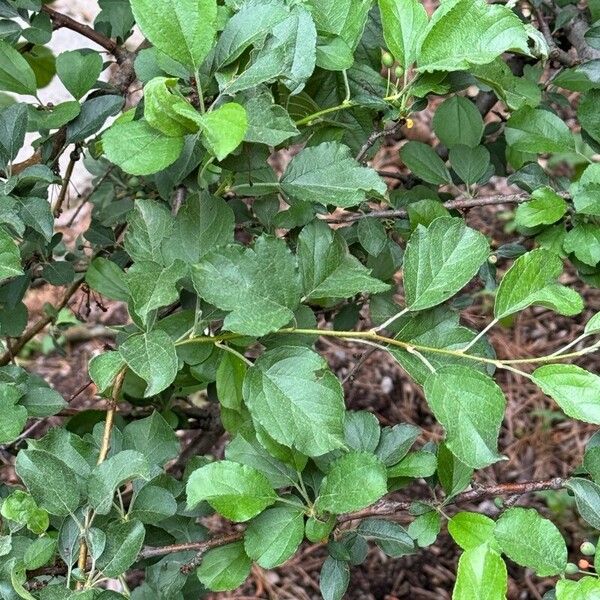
(213, 206)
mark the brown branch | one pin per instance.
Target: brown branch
(450, 205)
(376, 135)
(391, 507)
(380, 509)
(200, 547)
(102, 454)
(59, 20)
(555, 52)
(58, 207)
(39, 326)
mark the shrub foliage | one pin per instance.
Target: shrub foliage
(234, 213)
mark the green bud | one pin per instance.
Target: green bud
(399, 72)
(140, 194)
(387, 60)
(317, 530)
(134, 182)
(571, 569)
(587, 549)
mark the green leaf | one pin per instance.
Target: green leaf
(94, 113)
(353, 481)
(587, 499)
(50, 481)
(10, 257)
(13, 124)
(152, 505)
(424, 162)
(453, 474)
(531, 541)
(436, 328)
(538, 131)
(391, 538)
(112, 474)
(106, 277)
(79, 70)
(470, 164)
(470, 406)
(152, 286)
(236, 491)
(440, 260)
(183, 29)
(124, 541)
(274, 536)
(404, 23)
(586, 588)
(344, 19)
(202, 224)
(531, 280)
(574, 389)
(471, 530)
(291, 392)
(150, 224)
(15, 73)
(372, 236)
(587, 114)
(425, 528)
(328, 174)
(223, 129)
(268, 123)
(160, 108)
(289, 55)
(458, 122)
(415, 464)
(21, 508)
(327, 268)
(481, 574)
(153, 437)
(51, 117)
(260, 287)
(584, 242)
(544, 208)
(361, 431)
(245, 449)
(13, 417)
(593, 325)
(225, 568)
(334, 579)
(140, 149)
(39, 553)
(104, 368)
(395, 442)
(250, 25)
(151, 356)
(462, 33)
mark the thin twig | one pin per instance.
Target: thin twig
(391, 507)
(380, 509)
(457, 203)
(39, 326)
(60, 20)
(58, 207)
(555, 52)
(102, 454)
(376, 135)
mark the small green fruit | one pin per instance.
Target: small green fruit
(387, 60)
(317, 530)
(587, 549)
(571, 569)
